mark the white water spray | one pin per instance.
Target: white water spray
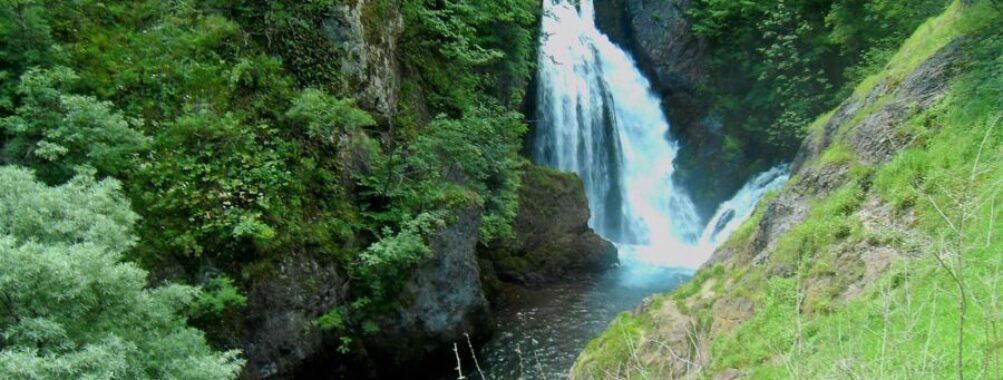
(599, 118)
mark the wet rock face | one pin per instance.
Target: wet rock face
(365, 32)
(659, 35)
(553, 239)
(441, 303)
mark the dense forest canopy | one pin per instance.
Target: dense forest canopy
(235, 137)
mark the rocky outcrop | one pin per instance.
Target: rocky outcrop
(553, 239)
(275, 328)
(442, 302)
(365, 34)
(659, 34)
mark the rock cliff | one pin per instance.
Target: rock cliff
(355, 52)
(441, 303)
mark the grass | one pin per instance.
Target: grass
(905, 325)
(743, 234)
(930, 37)
(607, 353)
(830, 220)
(697, 282)
(837, 154)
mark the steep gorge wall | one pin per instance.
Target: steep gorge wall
(446, 295)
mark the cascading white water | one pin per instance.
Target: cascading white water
(598, 117)
(732, 213)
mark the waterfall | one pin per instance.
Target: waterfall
(598, 117)
(732, 213)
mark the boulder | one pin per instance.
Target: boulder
(553, 239)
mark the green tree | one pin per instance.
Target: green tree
(25, 41)
(71, 308)
(54, 131)
(777, 65)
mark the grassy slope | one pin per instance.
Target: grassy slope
(906, 323)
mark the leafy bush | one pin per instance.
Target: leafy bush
(217, 296)
(456, 163)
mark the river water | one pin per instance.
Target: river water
(598, 117)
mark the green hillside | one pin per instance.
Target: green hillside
(894, 269)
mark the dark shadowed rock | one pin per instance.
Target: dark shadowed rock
(553, 239)
(659, 35)
(275, 328)
(612, 19)
(441, 303)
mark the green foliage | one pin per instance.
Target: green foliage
(780, 64)
(256, 147)
(296, 31)
(453, 164)
(482, 147)
(71, 308)
(55, 132)
(457, 51)
(385, 263)
(218, 295)
(334, 319)
(327, 117)
(25, 41)
(217, 174)
(80, 211)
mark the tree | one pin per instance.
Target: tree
(71, 308)
(25, 41)
(55, 131)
